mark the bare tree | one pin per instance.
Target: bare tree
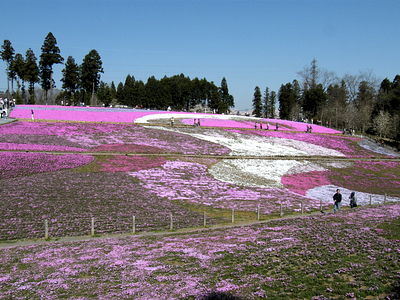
(353, 82)
(313, 75)
(382, 123)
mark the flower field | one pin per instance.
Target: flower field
(70, 166)
(354, 255)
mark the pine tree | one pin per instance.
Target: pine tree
(257, 104)
(91, 68)
(266, 104)
(50, 56)
(31, 73)
(70, 77)
(272, 101)
(286, 101)
(7, 55)
(226, 100)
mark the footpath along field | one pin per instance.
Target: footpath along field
(70, 165)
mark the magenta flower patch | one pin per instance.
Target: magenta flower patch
(302, 182)
(13, 164)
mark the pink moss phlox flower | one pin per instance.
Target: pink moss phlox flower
(64, 113)
(300, 126)
(302, 182)
(13, 164)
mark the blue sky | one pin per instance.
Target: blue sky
(251, 43)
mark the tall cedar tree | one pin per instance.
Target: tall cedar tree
(104, 93)
(226, 100)
(91, 68)
(31, 73)
(70, 77)
(50, 56)
(7, 55)
(18, 66)
(287, 101)
(314, 100)
(257, 104)
(272, 101)
(266, 103)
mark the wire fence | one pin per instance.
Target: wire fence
(75, 225)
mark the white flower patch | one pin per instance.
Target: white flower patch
(252, 172)
(371, 146)
(147, 118)
(304, 167)
(250, 145)
(338, 164)
(326, 192)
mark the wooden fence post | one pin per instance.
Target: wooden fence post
(320, 205)
(46, 229)
(302, 207)
(92, 227)
(370, 200)
(233, 215)
(204, 219)
(171, 222)
(133, 224)
(384, 199)
(281, 210)
(258, 212)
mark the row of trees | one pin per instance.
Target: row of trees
(25, 69)
(356, 102)
(178, 92)
(264, 106)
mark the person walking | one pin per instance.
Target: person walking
(33, 116)
(353, 200)
(337, 198)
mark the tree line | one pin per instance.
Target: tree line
(353, 102)
(82, 84)
(178, 92)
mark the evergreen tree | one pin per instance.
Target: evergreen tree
(272, 101)
(226, 100)
(129, 91)
(113, 91)
(91, 68)
(50, 56)
(31, 74)
(287, 101)
(70, 77)
(314, 100)
(7, 55)
(120, 93)
(18, 67)
(266, 104)
(257, 104)
(104, 94)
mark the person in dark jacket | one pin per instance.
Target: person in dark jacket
(353, 200)
(337, 198)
